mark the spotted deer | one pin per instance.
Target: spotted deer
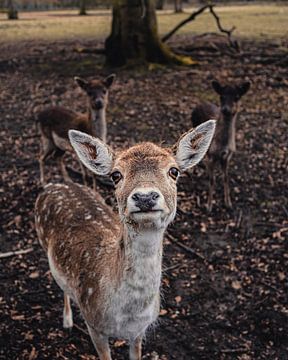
(55, 122)
(224, 143)
(111, 265)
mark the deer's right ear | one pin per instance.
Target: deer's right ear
(83, 84)
(217, 87)
(93, 153)
(193, 145)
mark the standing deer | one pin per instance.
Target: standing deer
(111, 265)
(224, 142)
(55, 122)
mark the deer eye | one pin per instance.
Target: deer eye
(116, 176)
(174, 173)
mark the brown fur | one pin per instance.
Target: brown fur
(56, 121)
(224, 142)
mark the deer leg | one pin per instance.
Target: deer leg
(67, 313)
(211, 186)
(227, 198)
(94, 182)
(63, 169)
(101, 344)
(83, 172)
(135, 349)
(47, 150)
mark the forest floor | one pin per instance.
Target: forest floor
(226, 298)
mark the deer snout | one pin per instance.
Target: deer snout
(145, 201)
(226, 110)
(99, 104)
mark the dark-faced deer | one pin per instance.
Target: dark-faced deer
(111, 265)
(55, 122)
(224, 142)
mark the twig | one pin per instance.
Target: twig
(225, 31)
(18, 252)
(82, 330)
(229, 351)
(184, 247)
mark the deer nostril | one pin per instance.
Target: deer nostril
(154, 195)
(135, 197)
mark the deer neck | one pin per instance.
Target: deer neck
(98, 121)
(143, 256)
(228, 130)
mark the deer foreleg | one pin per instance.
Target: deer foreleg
(135, 349)
(63, 169)
(211, 186)
(83, 172)
(227, 198)
(67, 313)
(101, 344)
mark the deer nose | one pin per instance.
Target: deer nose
(226, 110)
(145, 201)
(98, 104)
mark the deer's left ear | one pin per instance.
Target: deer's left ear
(243, 88)
(193, 145)
(83, 84)
(108, 81)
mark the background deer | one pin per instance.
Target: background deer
(111, 265)
(55, 122)
(224, 142)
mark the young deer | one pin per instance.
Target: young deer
(55, 122)
(111, 265)
(224, 142)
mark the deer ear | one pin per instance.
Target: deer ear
(217, 87)
(108, 81)
(193, 145)
(83, 84)
(243, 88)
(93, 153)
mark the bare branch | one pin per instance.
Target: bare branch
(192, 17)
(184, 22)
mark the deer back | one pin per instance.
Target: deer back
(80, 234)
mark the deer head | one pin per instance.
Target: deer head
(96, 90)
(230, 95)
(144, 175)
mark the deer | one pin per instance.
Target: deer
(224, 143)
(110, 265)
(55, 122)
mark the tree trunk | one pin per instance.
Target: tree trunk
(178, 6)
(12, 11)
(134, 36)
(82, 10)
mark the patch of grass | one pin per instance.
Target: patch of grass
(254, 21)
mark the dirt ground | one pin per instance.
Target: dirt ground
(226, 298)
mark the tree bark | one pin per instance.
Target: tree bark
(82, 9)
(12, 11)
(134, 36)
(178, 6)
(160, 4)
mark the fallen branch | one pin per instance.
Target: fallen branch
(184, 247)
(18, 252)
